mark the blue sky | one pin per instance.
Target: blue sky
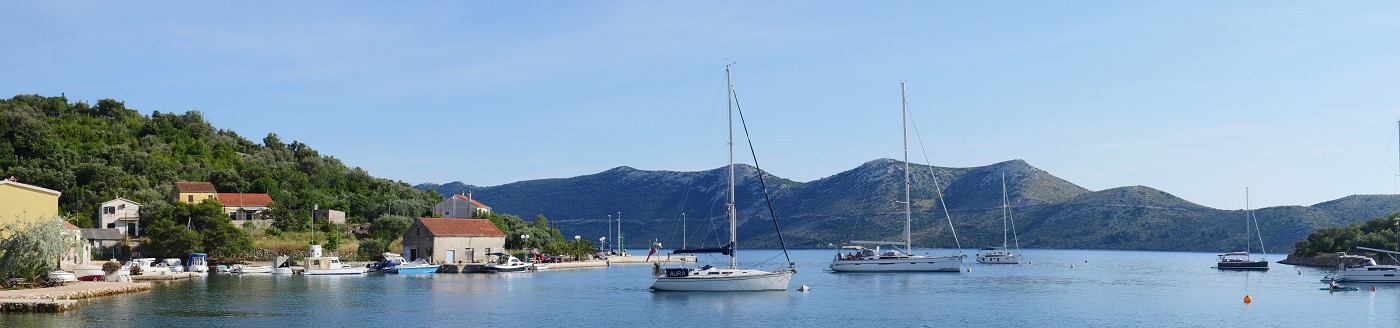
(1297, 100)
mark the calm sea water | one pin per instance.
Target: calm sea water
(1104, 288)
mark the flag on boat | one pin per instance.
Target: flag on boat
(649, 254)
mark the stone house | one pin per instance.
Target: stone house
(459, 206)
(328, 215)
(243, 206)
(121, 214)
(449, 240)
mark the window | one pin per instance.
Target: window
(190, 199)
(210, 197)
(109, 210)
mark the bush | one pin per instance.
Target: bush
(372, 247)
(272, 231)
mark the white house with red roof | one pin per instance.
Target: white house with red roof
(460, 206)
(451, 240)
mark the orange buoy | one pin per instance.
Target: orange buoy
(1248, 300)
(1373, 288)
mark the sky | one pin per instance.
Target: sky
(1296, 100)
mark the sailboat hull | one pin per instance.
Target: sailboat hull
(999, 259)
(725, 281)
(1243, 265)
(907, 264)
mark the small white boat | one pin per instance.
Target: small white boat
(90, 272)
(281, 265)
(239, 268)
(222, 269)
(1003, 255)
(148, 267)
(173, 265)
(506, 263)
(61, 276)
(417, 266)
(317, 265)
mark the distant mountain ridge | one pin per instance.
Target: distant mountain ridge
(861, 203)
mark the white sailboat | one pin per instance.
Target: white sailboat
(1003, 255)
(1241, 260)
(864, 259)
(732, 278)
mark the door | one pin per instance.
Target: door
(412, 254)
(451, 256)
(470, 255)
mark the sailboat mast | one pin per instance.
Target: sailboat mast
(1263, 252)
(904, 125)
(733, 243)
(1005, 209)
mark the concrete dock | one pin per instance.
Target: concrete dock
(61, 298)
(167, 276)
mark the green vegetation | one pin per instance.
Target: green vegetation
(95, 153)
(1378, 233)
(541, 234)
(181, 228)
(32, 249)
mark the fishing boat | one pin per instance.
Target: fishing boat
(318, 265)
(388, 261)
(897, 259)
(1003, 255)
(1242, 260)
(417, 266)
(732, 278)
(506, 263)
(173, 265)
(148, 267)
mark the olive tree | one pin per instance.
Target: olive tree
(32, 248)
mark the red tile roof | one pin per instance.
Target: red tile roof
(70, 226)
(194, 187)
(474, 202)
(231, 199)
(444, 227)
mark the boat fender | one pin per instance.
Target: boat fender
(969, 269)
(1248, 300)
(656, 269)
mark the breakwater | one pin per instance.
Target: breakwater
(61, 298)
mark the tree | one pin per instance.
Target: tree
(182, 228)
(33, 248)
(389, 227)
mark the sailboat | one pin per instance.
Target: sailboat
(1241, 260)
(715, 279)
(1002, 255)
(863, 259)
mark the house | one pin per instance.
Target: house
(78, 255)
(459, 206)
(121, 214)
(328, 215)
(193, 192)
(105, 240)
(447, 240)
(243, 206)
(21, 202)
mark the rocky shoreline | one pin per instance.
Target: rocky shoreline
(60, 299)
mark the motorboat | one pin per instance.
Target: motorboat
(222, 269)
(173, 265)
(239, 268)
(507, 263)
(389, 261)
(90, 272)
(318, 265)
(61, 277)
(148, 267)
(1358, 268)
(281, 265)
(417, 266)
(197, 262)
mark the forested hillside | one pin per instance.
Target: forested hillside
(95, 152)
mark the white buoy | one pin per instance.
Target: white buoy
(804, 288)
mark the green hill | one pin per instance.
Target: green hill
(93, 153)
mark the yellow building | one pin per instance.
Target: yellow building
(193, 192)
(22, 202)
